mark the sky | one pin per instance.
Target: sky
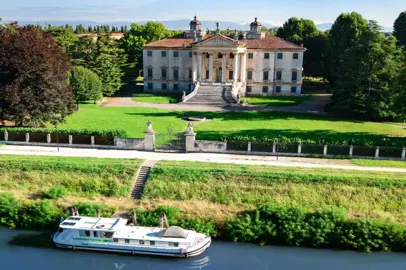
(240, 11)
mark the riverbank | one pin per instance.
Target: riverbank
(314, 207)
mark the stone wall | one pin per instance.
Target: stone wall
(135, 144)
(210, 146)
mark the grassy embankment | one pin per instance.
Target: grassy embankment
(157, 98)
(221, 190)
(379, 163)
(276, 101)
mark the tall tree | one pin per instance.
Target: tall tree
(297, 30)
(86, 85)
(33, 77)
(314, 61)
(366, 74)
(64, 36)
(399, 29)
(399, 92)
(345, 33)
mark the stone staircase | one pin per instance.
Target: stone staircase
(213, 95)
(141, 179)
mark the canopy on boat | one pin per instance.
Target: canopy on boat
(173, 231)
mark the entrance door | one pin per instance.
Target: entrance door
(218, 74)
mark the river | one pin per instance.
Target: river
(219, 256)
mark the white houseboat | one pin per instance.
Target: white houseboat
(114, 235)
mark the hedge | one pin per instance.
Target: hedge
(105, 133)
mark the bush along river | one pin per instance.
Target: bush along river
(220, 255)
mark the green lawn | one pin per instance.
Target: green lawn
(379, 163)
(276, 100)
(371, 194)
(257, 124)
(156, 98)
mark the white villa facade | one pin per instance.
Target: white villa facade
(260, 64)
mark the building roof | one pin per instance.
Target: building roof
(195, 22)
(268, 42)
(256, 22)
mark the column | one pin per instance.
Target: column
(243, 67)
(199, 67)
(194, 68)
(236, 55)
(223, 68)
(210, 67)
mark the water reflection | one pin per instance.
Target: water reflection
(168, 264)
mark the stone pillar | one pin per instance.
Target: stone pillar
(274, 147)
(299, 148)
(210, 67)
(249, 147)
(149, 137)
(199, 67)
(6, 136)
(377, 152)
(235, 79)
(194, 67)
(243, 67)
(403, 153)
(351, 150)
(27, 137)
(325, 150)
(70, 139)
(48, 138)
(92, 140)
(190, 137)
(224, 68)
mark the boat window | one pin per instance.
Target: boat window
(171, 244)
(115, 240)
(95, 234)
(87, 233)
(108, 234)
(142, 242)
(68, 223)
(152, 243)
(127, 241)
(60, 230)
(73, 218)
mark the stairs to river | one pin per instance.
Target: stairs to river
(141, 179)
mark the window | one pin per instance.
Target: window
(279, 75)
(164, 86)
(295, 56)
(249, 89)
(231, 56)
(152, 243)
(231, 75)
(293, 89)
(115, 240)
(149, 86)
(190, 74)
(163, 73)
(175, 54)
(163, 53)
(95, 234)
(207, 74)
(220, 55)
(190, 54)
(127, 241)
(149, 73)
(173, 244)
(249, 75)
(294, 75)
(176, 74)
(278, 89)
(142, 242)
(250, 55)
(207, 55)
(175, 86)
(266, 55)
(266, 75)
(264, 89)
(280, 55)
(149, 53)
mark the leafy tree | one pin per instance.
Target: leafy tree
(297, 30)
(367, 71)
(399, 92)
(86, 84)
(64, 36)
(33, 77)
(314, 61)
(399, 28)
(345, 33)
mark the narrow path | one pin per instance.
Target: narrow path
(198, 157)
(141, 179)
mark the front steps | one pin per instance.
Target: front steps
(213, 95)
(141, 179)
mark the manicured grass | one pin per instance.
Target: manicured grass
(249, 124)
(80, 176)
(371, 194)
(276, 101)
(156, 98)
(379, 163)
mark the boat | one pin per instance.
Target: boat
(116, 235)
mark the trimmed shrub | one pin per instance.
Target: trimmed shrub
(107, 132)
(56, 192)
(9, 209)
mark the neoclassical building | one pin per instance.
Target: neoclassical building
(251, 62)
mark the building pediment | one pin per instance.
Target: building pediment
(217, 41)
